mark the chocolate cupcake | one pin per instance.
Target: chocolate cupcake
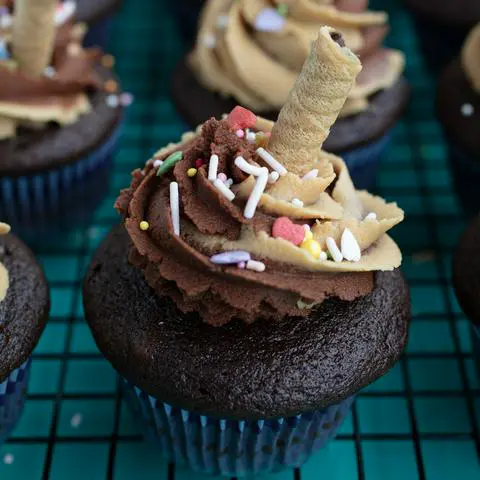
(60, 119)
(251, 53)
(458, 108)
(24, 306)
(241, 342)
(442, 26)
(466, 275)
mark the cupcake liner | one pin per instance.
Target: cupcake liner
(59, 198)
(99, 33)
(186, 13)
(466, 177)
(233, 447)
(363, 162)
(12, 397)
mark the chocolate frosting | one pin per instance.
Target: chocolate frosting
(179, 265)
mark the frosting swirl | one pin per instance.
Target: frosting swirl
(470, 58)
(243, 46)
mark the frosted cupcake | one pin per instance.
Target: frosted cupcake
(252, 291)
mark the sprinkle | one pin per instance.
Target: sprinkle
(191, 172)
(371, 217)
(308, 235)
(169, 162)
(251, 137)
(312, 247)
(230, 258)
(76, 420)
(223, 21)
(240, 133)
(334, 250)
(8, 459)
(49, 71)
(144, 225)
(261, 139)
(277, 166)
(467, 110)
(157, 163)
(209, 40)
(240, 117)
(108, 61)
(311, 174)
(112, 101)
(110, 86)
(221, 176)
(269, 20)
(126, 99)
(298, 203)
(323, 256)
(175, 207)
(248, 168)
(255, 266)
(282, 9)
(306, 226)
(212, 168)
(229, 182)
(350, 247)
(241, 265)
(256, 194)
(284, 228)
(199, 163)
(273, 177)
(223, 189)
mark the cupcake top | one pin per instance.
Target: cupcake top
(243, 47)
(247, 219)
(458, 98)
(45, 72)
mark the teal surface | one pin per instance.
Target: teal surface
(421, 421)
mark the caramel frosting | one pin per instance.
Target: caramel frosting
(470, 58)
(4, 278)
(253, 50)
(58, 95)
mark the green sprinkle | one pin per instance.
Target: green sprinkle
(169, 163)
(282, 9)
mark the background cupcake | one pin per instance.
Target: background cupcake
(458, 107)
(232, 227)
(442, 26)
(250, 52)
(24, 305)
(60, 119)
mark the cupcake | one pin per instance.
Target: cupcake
(251, 52)
(24, 306)
(442, 26)
(251, 291)
(186, 13)
(466, 275)
(458, 108)
(60, 118)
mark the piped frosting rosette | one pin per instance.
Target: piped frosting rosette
(244, 47)
(247, 219)
(470, 58)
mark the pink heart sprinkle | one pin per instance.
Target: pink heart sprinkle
(284, 228)
(240, 118)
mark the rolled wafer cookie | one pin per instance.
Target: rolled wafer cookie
(33, 35)
(315, 101)
(471, 58)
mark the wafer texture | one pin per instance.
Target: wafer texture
(314, 103)
(471, 58)
(33, 35)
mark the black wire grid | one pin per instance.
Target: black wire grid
(421, 421)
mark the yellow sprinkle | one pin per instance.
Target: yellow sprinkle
(108, 61)
(191, 172)
(144, 225)
(110, 86)
(312, 247)
(308, 236)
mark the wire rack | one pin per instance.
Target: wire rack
(420, 421)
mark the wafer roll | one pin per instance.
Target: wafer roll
(33, 35)
(315, 101)
(471, 58)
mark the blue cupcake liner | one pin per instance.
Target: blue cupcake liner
(466, 177)
(12, 396)
(233, 447)
(363, 162)
(98, 33)
(60, 197)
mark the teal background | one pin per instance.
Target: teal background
(421, 421)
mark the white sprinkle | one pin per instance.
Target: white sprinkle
(269, 20)
(334, 250)
(306, 227)
(251, 137)
(248, 168)
(8, 459)
(273, 177)
(209, 40)
(49, 72)
(350, 247)
(157, 163)
(467, 110)
(255, 266)
(112, 101)
(6, 21)
(221, 176)
(223, 21)
(297, 202)
(229, 182)
(223, 189)
(371, 217)
(256, 194)
(175, 207)
(323, 256)
(311, 174)
(212, 168)
(224, 116)
(277, 166)
(76, 420)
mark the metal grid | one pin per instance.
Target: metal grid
(421, 421)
